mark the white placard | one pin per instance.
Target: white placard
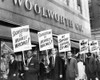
(64, 42)
(83, 46)
(93, 46)
(21, 38)
(45, 40)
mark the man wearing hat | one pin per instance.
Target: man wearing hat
(90, 67)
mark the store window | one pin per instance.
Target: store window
(6, 50)
(67, 1)
(79, 6)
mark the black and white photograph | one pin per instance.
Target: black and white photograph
(49, 39)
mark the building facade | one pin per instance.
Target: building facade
(62, 16)
(94, 9)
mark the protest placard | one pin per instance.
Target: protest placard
(45, 40)
(64, 42)
(21, 38)
(93, 46)
(83, 46)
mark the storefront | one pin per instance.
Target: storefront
(42, 15)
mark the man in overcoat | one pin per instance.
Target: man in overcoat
(54, 65)
(71, 67)
(90, 66)
(32, 66)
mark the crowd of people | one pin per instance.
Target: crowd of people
(51, 65)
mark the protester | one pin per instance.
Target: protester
(90, 67)
(81, 68)
(12, 68)
(20, 66)
(71, 68)
(43, 74)
(62, 64)
(98, 67)
(32, 66)
(54, 65)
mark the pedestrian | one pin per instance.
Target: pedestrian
(54, 65)
(42, 68)
(98, 67)
(81, 68)
(20, 66)
(90, 66)
(62, 66)
(12, 75)
(31, 69)
(71, 67)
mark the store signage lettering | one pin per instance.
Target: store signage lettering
(46, 13)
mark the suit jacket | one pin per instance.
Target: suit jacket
(98, 68)
(55, 70)
(20, 69)
(62, 69)
(42, 69)
(32, 73)
(12, 70)
(71, 68)
(98, 65)
(90, 66)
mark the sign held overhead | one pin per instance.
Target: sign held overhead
(64, 42)
(21, 38)
(45, 40)
(93, 46)
(83, 46)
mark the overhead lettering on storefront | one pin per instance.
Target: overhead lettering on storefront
(46, 13)
(19, 2)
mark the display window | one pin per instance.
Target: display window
(6, 50)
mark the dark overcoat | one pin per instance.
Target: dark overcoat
(32, 73)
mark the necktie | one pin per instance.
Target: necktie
(28, 62)
(88, 60)
(69, 60)
(53, 61)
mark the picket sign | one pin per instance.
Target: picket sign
(64, 43)
(83, 44)
(21, 38)
(93, 46)
(45, 40)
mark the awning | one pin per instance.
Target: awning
(74, 44)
